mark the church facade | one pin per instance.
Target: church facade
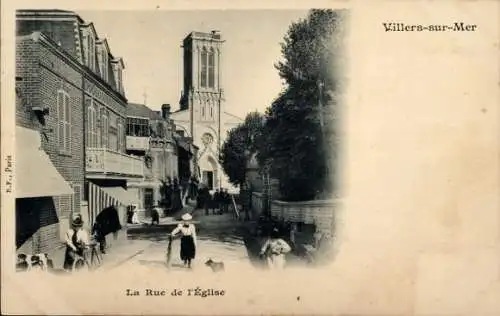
(202, 114)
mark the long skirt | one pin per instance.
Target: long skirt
(188, 250)
(276, 262)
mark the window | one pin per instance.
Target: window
(138, 127)
(91, 123)
(203, 110)
(211, 68)
(119, 82)
(120, 137)
(203, 75)
(76, 197)
(90, 51)
(64, 119)
(104, 131)
(104, 63)
(211, 111)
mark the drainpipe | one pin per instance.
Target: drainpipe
(85, 183)
(218, 139)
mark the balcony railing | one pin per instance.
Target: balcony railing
(106, 162)
(137, 143)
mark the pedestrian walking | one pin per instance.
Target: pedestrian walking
(155, 215)
(226, 200)
(77, 240)
(99, 237)
(188, 239)
(217, 202)
(206, 199)
(176, 197)
(135, 215)
(274, 250)
(168, 196)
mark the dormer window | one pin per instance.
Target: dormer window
(103, 63)
(118, 73)
(91, 51)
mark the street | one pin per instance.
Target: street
(220, 237)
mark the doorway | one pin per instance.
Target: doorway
(208, 179)
(148, 201)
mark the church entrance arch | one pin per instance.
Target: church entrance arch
(208, 168)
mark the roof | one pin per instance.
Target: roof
(140, 110)
(213, 35)
(237, 117)
(44, 11)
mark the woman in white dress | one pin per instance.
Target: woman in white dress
(188, 239)
(275, 249)
(135, 216)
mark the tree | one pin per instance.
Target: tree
(298, 125)
(242, 142)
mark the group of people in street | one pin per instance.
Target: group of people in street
(218, 203)
(172, 196)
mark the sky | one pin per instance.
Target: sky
(150, 44)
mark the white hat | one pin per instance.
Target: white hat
(186, 217)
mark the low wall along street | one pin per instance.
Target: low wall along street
(320, 212)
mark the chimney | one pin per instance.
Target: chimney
(165, 111)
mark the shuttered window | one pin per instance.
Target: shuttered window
(120, 137)
(91, 124)
(104, 131)
(77, 197)
(64, 122)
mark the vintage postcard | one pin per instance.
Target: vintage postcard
(250, 158)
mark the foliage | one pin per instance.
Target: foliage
(241, 143)
(298, 125)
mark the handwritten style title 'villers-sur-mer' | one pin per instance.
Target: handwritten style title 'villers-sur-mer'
(455, 27)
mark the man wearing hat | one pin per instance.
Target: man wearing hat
(188, 239)
(77, 240)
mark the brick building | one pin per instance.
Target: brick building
(49, 142)
(70, 91)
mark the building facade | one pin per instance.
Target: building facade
(150, 136)
(166, 155)
(92, 114)
(202, 115)
(49, 142)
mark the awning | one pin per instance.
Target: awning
(121, 195)
(35, 175)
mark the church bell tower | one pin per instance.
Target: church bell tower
(202, 74)
(202, 97)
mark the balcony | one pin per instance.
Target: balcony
(102, 163)
(137, 143)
